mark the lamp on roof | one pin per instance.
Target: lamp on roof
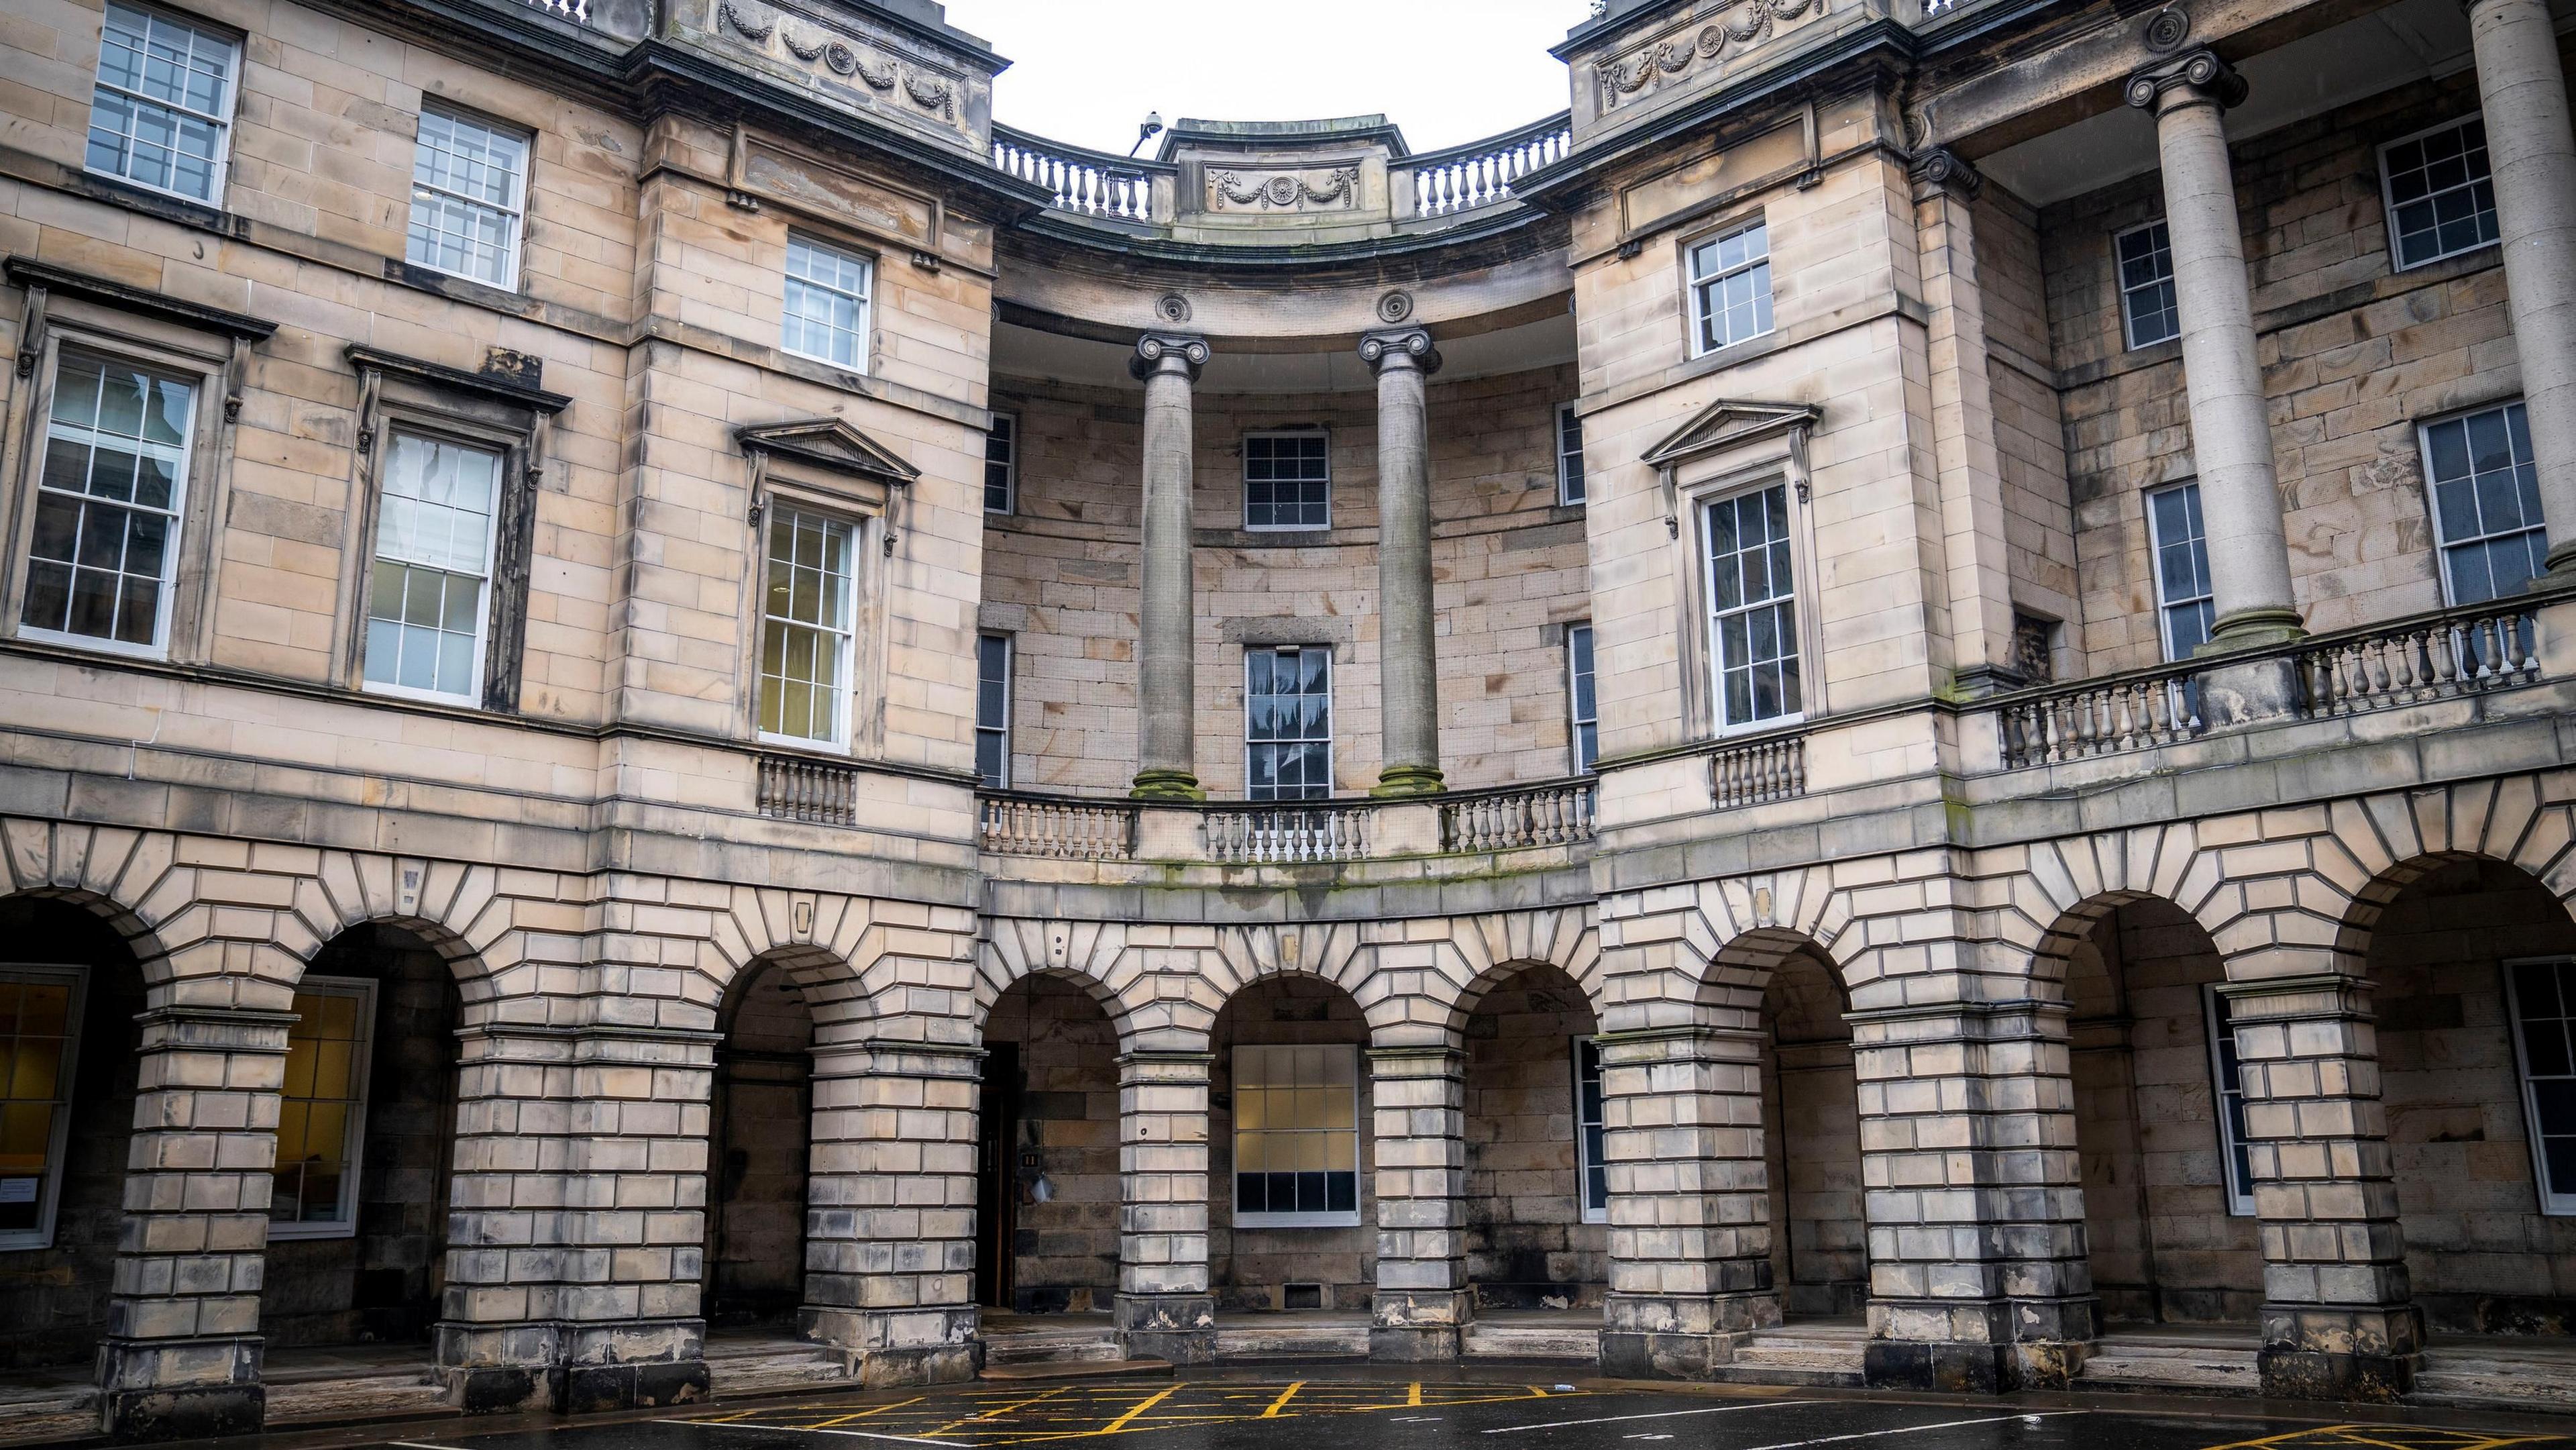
(1151, 127)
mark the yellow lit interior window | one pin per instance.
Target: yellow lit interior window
(324, 1099)
(35, 1090)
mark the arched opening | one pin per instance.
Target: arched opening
(1048, 1243)
(69, 992)
(1537, 1197)
(357, 1233)
(1291, 1222)
(1811, 1110)
(2168, 1205)
(762, 1115)
(2473, 975)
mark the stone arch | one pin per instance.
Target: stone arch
(1124, 977)
(1333, 952)
(1481, 952)
(2397, 839)
(861, 963)
(116, 875)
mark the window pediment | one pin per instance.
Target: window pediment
(830, 444)
(1732, 422)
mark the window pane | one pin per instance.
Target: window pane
(2484, 502)
(108, 500)
(1296, 1137)
(1288, 723)
(1753, 622)
(807, 632)
(38, 1024)
(322, 1103)
(425, 604)
(826, 312)
(2441, 194)
(162, 102)
(2183, 595)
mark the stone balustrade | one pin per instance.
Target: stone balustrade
(1087, 183)
(1057, 828)
(1555, 814)
(2137, 711)
(1481, 173)
(2489, 646)
(1287, 834)
(1757, 772)
(796, 789)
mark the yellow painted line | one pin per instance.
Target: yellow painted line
(863, 1414)
(1413, 1396)
(1281, 1403)
(1121, 1422)
(2277, 1439)
(997, 1410)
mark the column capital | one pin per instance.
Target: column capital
(2197, 75)
(1400, 347)
(1943, 169)
(1169, 352)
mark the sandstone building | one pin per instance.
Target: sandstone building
(1891, 705)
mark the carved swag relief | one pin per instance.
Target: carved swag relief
(1288, 191)
(1743, 26)
(932, 93)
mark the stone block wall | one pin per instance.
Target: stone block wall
(758, 1169)
(1508, 564)
(1246, 1266)
(1812, 1143)
(1527, 1245)
(1062, 1166)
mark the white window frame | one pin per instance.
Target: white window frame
(1584, 1162)
(1328, 1218)
(361, 1072)
(2240, 1196)
(1327, 481)
(42, 416)
(1800, 610)
(1572, 483)
(863, 335)
(2156, 569)
(1575, 719)
(1006, 433)
(1697, 287)
(516, 209)
(2442, 542)
(2388, 194)
(1332, 762)
(472, 696)
(847, 631)
(220, 165)
(58, 1147)
(1010, 661)
(2129, 340)
(2552, 1205)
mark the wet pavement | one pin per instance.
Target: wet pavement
(1524, 1408)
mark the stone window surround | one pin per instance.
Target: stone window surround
(1778, 457)
(2388, 198)
(1688, 242)
(354, 1139)
(220, 172)
(209, 360)
(522, 190)
(808, 489)
(66, 1072)
(402, 395)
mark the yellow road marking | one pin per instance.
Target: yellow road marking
(1281, 1403)
(863, 1414)
(1120, 1423)
(1413, 1398)
(998, 1410)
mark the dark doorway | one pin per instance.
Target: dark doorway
(763, 1112)
(996, 1169)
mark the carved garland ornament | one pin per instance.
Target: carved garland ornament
(928, 92)
(1287, 191)
(1671, 58)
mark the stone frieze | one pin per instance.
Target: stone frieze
(1630, 75)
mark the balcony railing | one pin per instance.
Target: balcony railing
(1758, 772)
(1481, 173)
(1087, 183)
(1505, 820)
(791, 789)
(1287, 834)
(1058, 828)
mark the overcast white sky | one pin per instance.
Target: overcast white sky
(1447, 71)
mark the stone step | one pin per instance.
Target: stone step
(1077, 1369)
(2484, 1383)
(1083, 1346)
(1293, 1341)
(1531, 1341)
(39, 1415)
(1796, 1360)
(772, 1372)
(2200, 1370)
(343, 1398)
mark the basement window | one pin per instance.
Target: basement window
(1296, 1137)
(322, 1111)
(40, 1019)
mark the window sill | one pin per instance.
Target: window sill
(85, 644)
(1297, 1220)
(292, 1232)
(171, 205)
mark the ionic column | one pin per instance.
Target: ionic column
(2523, 92)
(181, 1357)
(1690, 1200)
(2339, 1318)
(1978, 1275)
(2231, 432)
(1418, 1120)
(1408, 668)
(1167, 623)
(890, 1210)
(1164, 1308)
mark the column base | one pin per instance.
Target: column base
(2249, 691)
(1180, 1328)
(901, 1347)
(183, 1389)
(2367, 1354)
(1679, 1337)
(1414, 1343)
(592, 1389)
(1405, 780)
(1948, 1368)
(504, 1389)
(1166, 785)
(2253, 629)
(2309, 1374)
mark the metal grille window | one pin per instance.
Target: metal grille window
(161, 113)
(1583, 708)
(1753, 610)
(1569, 456)
(322, 1110)
(808, 619)
(2227, 1087)
(468, 189)
(1288, 723)
(1002, 465)
(993, 709)
(40, 1015)
(1590, 1131)
(1730, 287)
(2440, 193)
(1287, 481)
(433, 563)
(2543, 997)
(2185, 606)
(105, 546)
(2486, 503)
(1296, 1137)
(827, 304)
(2148, 309)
